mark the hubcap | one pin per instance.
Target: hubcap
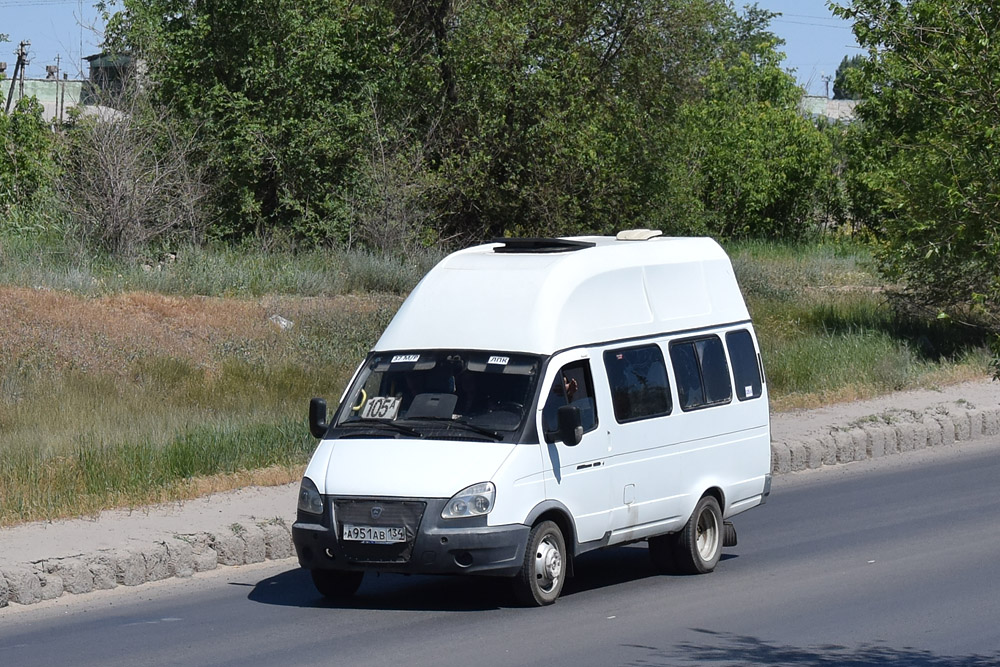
(708, 535)
(548, 564)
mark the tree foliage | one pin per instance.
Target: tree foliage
(757, 165)
(556, 122)
(843, 86)
(26, 156)
(278, 90)
(390, 122)
(929, 159)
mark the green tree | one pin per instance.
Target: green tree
(555, 111)
(843, 87)
(279, 91)
(930, 129)
(754, 164)
(26, 156)
(385, 121)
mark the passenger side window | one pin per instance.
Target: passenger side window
(701, 371)
(573, 385)
(746, 364)
(638, 379)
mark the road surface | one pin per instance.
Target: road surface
(890, 562)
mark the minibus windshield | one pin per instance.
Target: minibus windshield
(483, 395)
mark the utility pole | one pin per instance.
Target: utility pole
(22, 61)
(62, 101)
(58, 113)
(23, 54)
(826, 82)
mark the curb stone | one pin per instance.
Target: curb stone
(178, 556)
(884, 436)
(25, 586)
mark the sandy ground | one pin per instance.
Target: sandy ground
(121, 529)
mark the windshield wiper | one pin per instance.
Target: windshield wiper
(478, 429)
(399, 428)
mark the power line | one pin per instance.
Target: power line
(807, 16)
(35, 3)
(817, 25)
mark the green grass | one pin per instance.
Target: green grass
(75, 441)
(828, 331)
(56, 263)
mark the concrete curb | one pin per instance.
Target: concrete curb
(182, 555)
(176, 556)
(891, 433)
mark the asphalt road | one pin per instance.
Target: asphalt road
(892, 562)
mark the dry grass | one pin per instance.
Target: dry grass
(127, 399)
(61, 331)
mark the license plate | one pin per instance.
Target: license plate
(374, 534)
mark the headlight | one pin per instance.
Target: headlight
(309, 499)
(475, 500)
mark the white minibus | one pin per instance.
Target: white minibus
(535, 399)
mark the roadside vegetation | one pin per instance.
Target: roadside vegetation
(123, 386)
(177, 282)
(829, 331)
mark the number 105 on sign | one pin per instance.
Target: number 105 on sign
(381, 407)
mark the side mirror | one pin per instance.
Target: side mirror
(570, 425)
(317, 418)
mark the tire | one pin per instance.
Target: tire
(543, 573)
(336, 584)
(699, 544)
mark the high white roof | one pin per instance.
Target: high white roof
(544, 302)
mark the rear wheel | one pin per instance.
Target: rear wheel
(543, 572)
(335, 584)
(699, 544)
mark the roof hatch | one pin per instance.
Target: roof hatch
(541, 245)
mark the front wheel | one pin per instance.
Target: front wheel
(335, 584)
(543, 573)
(699, 544)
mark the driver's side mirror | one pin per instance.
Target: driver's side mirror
(317, 418)
(570, 425)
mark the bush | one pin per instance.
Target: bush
(128, 178)
(27, 166)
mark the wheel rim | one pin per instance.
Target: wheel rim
(548, 564)
(708, 535)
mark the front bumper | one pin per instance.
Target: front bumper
(434, 545)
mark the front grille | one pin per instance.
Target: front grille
(358, 511)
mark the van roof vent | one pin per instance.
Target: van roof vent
(540, 245)
(638, 234)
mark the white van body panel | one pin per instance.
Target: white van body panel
(548, 302)
(410, 468)
(523, 482)
(578, 477)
